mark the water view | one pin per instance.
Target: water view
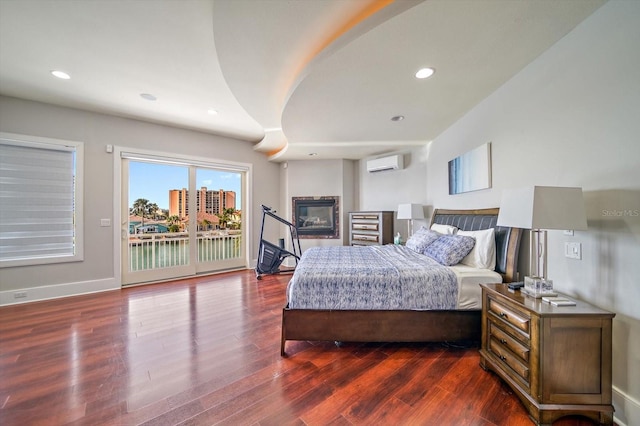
(152, 251)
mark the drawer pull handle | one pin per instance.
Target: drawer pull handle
(503, 341)
(502, 357)
(503, 315)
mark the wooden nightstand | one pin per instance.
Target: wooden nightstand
(556, 359)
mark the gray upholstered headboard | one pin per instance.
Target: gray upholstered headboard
(507, 239)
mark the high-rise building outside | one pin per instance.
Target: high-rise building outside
(207, 201)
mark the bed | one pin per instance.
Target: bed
(446, 321)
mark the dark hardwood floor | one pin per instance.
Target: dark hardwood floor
(206, 351)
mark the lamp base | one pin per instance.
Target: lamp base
(538, 287)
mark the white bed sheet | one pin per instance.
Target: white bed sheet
(469, 280)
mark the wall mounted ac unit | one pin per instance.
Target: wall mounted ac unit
(393, 162)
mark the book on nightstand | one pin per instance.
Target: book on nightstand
(558, 301)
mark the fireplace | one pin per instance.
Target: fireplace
(316, 217)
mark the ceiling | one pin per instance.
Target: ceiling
(299, 79)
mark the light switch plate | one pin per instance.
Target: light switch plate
(573, 250)
(105, 222)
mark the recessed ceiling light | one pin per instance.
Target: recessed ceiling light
(313, 154)
(397, 118)
(425, 73)
(212, 111)
(60, 74)
(148, 96)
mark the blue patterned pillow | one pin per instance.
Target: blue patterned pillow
(450, 249)
(419, 241)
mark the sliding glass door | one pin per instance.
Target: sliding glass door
(179, 218)
(219, 226)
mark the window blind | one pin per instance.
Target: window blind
(37, 202)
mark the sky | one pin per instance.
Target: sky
(153, 181)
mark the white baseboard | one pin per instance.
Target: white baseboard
(33, 294)
(627, 409)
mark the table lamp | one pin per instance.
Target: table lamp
(410, 212)
(542, 208)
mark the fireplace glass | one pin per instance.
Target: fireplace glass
(316, 217)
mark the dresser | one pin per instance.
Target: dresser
(370, 228)
(557, 359)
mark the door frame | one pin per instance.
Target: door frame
(173, 158)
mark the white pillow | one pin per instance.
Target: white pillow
(483, 254)
(444, 229)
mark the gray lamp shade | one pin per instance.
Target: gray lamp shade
(543, 207)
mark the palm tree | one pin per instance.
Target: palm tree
(226, 216)
(140, 208)
(152, 210)
(174, 223)
(205, 225)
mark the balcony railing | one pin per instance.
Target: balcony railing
(152, 251)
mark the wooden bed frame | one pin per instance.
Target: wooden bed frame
(408, 325)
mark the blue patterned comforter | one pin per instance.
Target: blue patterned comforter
(370, 277)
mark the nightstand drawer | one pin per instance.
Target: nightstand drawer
(557, 360)
(516, 318)
(508, 358)
(508, 341)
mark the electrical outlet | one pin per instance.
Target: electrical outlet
(20, 295)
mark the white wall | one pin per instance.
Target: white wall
(359, 190)
(317, 178)
(96, 272)
(572, 118)
(386, 190)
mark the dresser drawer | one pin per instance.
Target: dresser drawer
(365, 226)
(365, 216)
(514, 317)
(522, 351)
(370, 238)
(370, 228)
(508, 358)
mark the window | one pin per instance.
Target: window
(40, 200)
